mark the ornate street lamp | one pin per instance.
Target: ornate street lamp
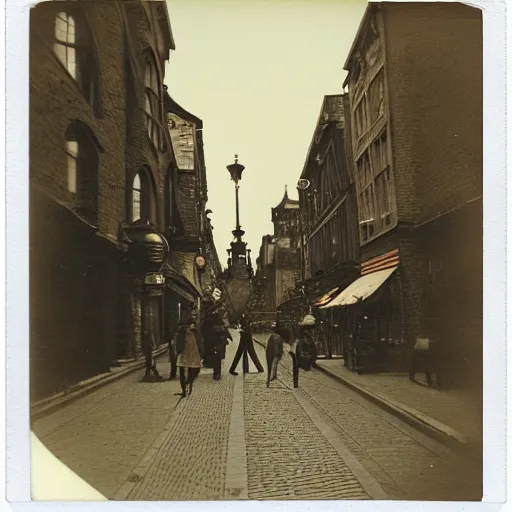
(235, 170)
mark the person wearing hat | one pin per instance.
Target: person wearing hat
(189, 348)
(303, 350)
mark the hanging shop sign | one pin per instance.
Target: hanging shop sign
(154, 279)
(200, 262)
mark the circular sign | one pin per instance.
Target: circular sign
(200, 261)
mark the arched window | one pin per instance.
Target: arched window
(143, 206)
(152, 102)
(74, 48)
(82, 162)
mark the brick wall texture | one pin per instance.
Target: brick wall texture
(83, 315)
(433, 66)
(434, 74)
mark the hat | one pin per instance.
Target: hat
(307, 321)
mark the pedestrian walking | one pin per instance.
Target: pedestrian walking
(245, 348)
(303, 350)
(189, 349)
(173, 358)
(215, 335)
(274, 350)
(148, 345)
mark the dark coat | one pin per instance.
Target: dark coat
(306, 351)
(215, 336)
(181, 339)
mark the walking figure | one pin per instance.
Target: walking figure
(245, 348)
(274, 350)
(215, 335)
(303, 350)
(148, 344)
(189, 348)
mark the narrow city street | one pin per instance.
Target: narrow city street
(236, 439)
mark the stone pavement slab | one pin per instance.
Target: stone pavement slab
(406, 463)
(103, 435)
(287, 456)
(200, 454)
(454, 414)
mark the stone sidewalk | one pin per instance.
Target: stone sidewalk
(452, 414)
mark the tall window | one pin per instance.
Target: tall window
(82, 169)
(65, 41)
(136, 195)
(152, 102)
(74, 48)
(143, 205)
(376, 193)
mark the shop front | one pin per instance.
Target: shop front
(369, 316)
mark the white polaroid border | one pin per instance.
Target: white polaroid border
(17, 286)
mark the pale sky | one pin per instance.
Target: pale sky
(256, 72)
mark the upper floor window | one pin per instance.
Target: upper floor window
(376, 202)
(152, 102)
(143, 206)
(74, 48)
(82, 162)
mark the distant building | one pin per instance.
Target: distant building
(415, 88)
(278, 262)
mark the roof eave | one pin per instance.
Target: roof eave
(174, 107)
(369, 11)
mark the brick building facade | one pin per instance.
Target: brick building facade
(103, 194)
(415, 88)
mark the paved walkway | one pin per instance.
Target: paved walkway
(455, 409)
(406, 463)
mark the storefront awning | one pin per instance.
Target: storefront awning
(325, 299)
(361, 289)
(177, 282)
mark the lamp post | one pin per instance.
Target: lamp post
(235, 170)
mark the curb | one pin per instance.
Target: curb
(427, 425)
(48, 405)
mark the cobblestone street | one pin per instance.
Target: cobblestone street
(234, 438)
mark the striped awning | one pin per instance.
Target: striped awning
(325, 299)
(374, 274)
(388, 260)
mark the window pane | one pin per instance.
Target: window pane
(136, 183)
(72, 174)
(71, 62)
(135, 205)
(61, 27)
(71, 30)
(60, 51)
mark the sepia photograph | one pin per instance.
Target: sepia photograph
(256, 249)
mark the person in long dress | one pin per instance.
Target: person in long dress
(189, 349)
(215, 336)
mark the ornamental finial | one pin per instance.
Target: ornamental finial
(236, 159)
